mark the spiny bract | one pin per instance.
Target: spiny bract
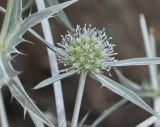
(86, 49)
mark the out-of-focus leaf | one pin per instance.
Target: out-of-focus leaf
(148, 122)
(126, 82)
(107, 112)
(150, 92)
(28, 5)
(81, 123)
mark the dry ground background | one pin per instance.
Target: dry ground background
(121, 20)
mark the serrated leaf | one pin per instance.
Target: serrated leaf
(32, 20)
(135, 62)
(21, 96)
(61, 16)
(54, 79)
(125, 92)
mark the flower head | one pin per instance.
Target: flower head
(86, 49)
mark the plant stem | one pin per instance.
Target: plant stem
(149, 42)
(76, 111)
(54, 69)
(3, 117)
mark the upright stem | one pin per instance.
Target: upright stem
(149, 42)
(76, 111)
(3, 117)
(54, 69)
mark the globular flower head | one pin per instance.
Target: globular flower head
(86, 49)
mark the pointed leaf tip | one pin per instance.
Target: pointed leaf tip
(54, 79)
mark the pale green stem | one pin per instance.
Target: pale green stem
(78, 101)
(3, 117)
(54, 69)
(149, 42)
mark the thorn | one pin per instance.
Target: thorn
(141, 16)
(25, 112)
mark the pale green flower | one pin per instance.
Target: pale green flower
(87, 51)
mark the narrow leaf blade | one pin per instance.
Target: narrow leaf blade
(125, 92)
(54, 79)
(135, 62)
(21, 96)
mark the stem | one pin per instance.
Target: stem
(54, 69)
(77, 106)
(149, 42)
(3, 117)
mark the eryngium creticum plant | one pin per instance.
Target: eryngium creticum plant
(11, 34)
(87, 51)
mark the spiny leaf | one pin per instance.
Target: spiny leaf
(32, 20)
(125, 92)
(61, 16)
(21, 96)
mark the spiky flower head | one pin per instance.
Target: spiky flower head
(86, 49)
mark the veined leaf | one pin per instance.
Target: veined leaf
(125, 92)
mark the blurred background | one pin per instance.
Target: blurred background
(121, 20)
